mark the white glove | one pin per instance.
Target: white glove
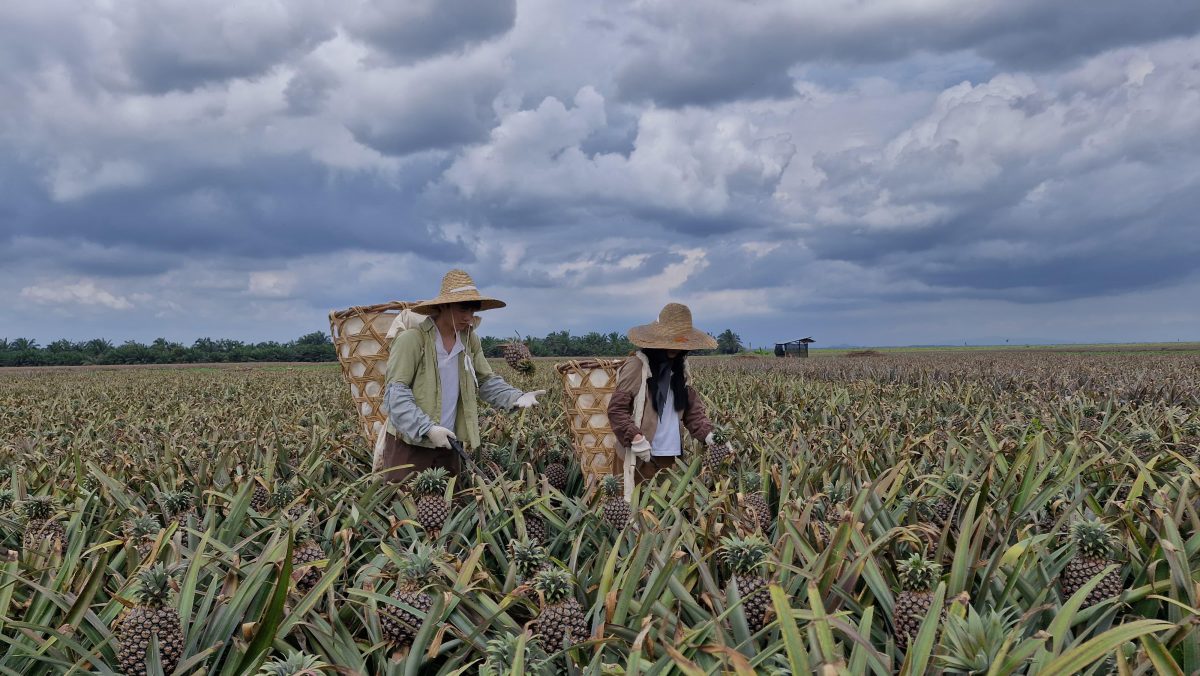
(529, 398)
(440, 436)
(710, 439)
(641, 448)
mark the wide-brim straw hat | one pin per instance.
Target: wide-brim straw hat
(672, 331)
(457, 287)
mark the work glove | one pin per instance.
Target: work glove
(641, 448)
(710, 439)
(440, 436)
(529, 398)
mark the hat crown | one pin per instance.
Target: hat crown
(676, 316)
(457, 281)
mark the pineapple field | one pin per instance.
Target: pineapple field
(976, 513)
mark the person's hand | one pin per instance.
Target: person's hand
(710, 439)
(641, 448)
(529, 398)
(440, 436)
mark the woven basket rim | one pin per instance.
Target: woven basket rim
(377, 307)
(588, 363)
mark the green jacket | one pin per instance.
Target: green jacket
(413, 395)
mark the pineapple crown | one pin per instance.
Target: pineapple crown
(416, 568)
(283, 495)
(528, 557)
(502, 654)
(743, 555)
(155, 585)
(1092, 538)
(431, 481)
(5, 473)
(38, 508)
(556, 454)
(836, 493)
(526, 498)
(1192, 428)
(1142, 436)
(295, 664)
(1090, 410)
(954, 483)
(554, 584)
(611, 485)
(176, 502)
(142, 526)
(750, 480)
(918, 574)
(6, 499)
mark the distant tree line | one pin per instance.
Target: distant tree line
(312, 347)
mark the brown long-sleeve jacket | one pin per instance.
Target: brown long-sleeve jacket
(630, 381)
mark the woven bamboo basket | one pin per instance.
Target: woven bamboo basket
(359, 336)
(589, 385)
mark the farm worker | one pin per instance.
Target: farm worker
(436, 372)
(653, 397)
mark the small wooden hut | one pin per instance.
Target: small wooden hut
(793, 348)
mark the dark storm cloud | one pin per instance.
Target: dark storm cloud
(410, 31)
(700, 53)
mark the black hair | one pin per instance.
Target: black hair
(678, 379)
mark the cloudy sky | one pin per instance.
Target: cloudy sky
(867, 172)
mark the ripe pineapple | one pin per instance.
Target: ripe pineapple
(616, 510)
(40, 526)
(917, 576)
(432, 507)
(561, 617)
(518, 356)
(141, 531)
(151, 617)
(295, 664)
(744, 556)
(943, 509)
(528, 558)
(718, 452)
(1093, 552)
(306, 551)
(535, 525)
(556, 469)
(260, 498)
(756, 513)
(400, 626)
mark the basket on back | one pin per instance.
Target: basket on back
(589, 385)
(360, 338)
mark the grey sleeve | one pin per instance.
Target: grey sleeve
(403, 412)
(498, 393)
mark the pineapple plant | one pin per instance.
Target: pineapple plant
(830, 511)
(140, 533)
(6, 500)
(518, 356)
(502, 653)
(40, 527)
(744, 556)
(432, 506)
(400, 625)
(528, 558)
(1145, 443)
(176, 505)
(151, 617)
(535, 525)
(295, 663)
(1093, 545)
(616, 511)
(555, 471)
(917, 576)
(756, 512)
(284, 494)
(560, 618)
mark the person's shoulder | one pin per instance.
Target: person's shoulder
(410, 339)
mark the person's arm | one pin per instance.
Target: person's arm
(620, 406)
(492, 388)
(399, 404)
(695, 418)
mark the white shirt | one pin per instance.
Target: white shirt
(666, 441)
(448, 373)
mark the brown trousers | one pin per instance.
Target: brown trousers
(644, 471)
(396, 454)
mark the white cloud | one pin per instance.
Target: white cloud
(83, 295)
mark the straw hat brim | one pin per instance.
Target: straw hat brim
(656, 337)
(485, 303)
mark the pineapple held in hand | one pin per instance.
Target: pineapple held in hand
(561, 618)
(917, 577)
(744, 556)
(152, 617)
(518, 356)
(1093, 551)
